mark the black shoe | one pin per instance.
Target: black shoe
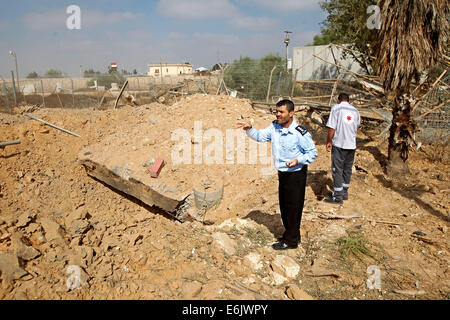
(334, 200)
(281, 245)
(281, 239)
(345, 196)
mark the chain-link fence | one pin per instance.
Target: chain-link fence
(260, 80)
(95, 92)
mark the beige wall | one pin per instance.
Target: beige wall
(134, 83)
(50, 83)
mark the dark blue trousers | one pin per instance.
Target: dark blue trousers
(291, 195)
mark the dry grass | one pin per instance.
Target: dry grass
(353, 244)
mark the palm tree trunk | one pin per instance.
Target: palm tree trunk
(401, 135)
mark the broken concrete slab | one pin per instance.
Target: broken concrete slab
(125, 169)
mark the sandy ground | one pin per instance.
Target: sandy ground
(53, 216)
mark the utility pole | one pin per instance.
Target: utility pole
(286, 41)
(12, 53)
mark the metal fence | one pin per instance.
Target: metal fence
(85, 92)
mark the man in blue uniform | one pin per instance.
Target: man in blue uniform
(293, 150)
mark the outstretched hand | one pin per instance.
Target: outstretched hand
(329, 147)
(244, 125)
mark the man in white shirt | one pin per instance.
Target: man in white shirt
(342, 126)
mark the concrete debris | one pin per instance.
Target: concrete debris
(10, 266)
(295, 293)
(53, 231)
(285, 266)
(224, 242)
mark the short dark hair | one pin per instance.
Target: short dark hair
(343, 97)
(288, 103)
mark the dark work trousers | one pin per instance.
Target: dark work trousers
(341, 164)
(291, 195)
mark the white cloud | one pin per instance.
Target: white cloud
(197, 9)
(56, 19)
(287, 5)
(48, 20)
(254, 23)
(214, 9)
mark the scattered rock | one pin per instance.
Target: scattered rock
(191, 289)
(53, 231)
(104, 270)
(335, 231)
(253, 260)
(23, 220)
(237, 223)
(32, 227)
(78, 214)
(22, 249)
(443, 228)
(80, 227)
(212, 290)
(285, 266)
(224, 242)
(133, 238)
(109, 242)
(277, 279)
(10, 266)
(295, 293)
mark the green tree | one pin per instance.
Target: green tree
(106, 79)
(251, 77)
(53, 73)
(346, 23)
(91, 73)
(32, 75)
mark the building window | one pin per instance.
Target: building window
(156, 70)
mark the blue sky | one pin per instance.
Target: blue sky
(137, 33)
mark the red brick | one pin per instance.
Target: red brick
(156, 169)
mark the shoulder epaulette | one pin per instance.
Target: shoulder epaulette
(302, 130)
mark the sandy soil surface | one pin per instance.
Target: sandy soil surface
(58, 225)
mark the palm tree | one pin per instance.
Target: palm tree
(412, 38)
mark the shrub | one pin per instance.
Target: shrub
(107, 79)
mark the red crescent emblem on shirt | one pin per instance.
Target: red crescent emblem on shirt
(349, 118)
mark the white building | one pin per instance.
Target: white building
(165, 69)
(312, 68)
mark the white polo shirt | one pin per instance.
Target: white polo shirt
(345, 120)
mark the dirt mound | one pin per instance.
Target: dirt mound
(57, 224)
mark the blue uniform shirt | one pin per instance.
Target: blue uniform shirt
(287, 144)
